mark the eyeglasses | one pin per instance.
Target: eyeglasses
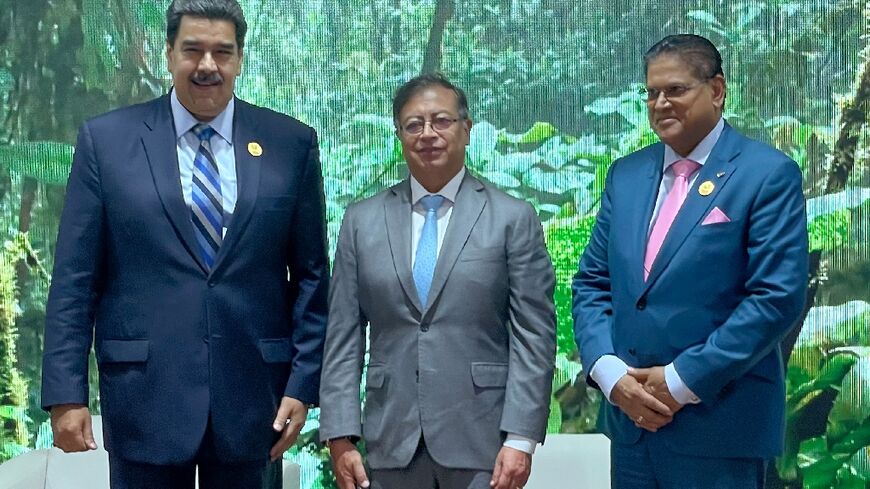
(651, 95)
(416, 127)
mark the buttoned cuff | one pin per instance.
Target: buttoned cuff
(520, 443)
(678, 389)
(606, 372)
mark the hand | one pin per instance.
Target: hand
(653, 380)
(347, 465)
(512, 469)
(640, 406)
(71, 426)
(289, 422)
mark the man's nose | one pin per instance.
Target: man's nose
(661, 100)
(428, 130)
(207, 64)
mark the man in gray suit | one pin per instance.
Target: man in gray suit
(454, 280)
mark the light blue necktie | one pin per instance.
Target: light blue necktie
(207, 206)
(427, 248)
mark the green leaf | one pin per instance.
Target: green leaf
(703, 16)
(818, 466)
(827, 326)
(500, 179)
(514, 163)
(832, 375)
(47, 161)
(830, 203)
(484, 137)
(540, 131)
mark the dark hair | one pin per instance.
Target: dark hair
(698, 52)
(421, 82)
(209, 9)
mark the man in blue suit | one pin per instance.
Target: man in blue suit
(695, 270)
(192, 253)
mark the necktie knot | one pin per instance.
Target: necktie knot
(203, 131)
(432, 202)
(685, 168)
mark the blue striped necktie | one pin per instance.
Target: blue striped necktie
(427, 248)
(207, 206)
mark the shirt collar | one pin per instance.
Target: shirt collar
(184, 120)
(702, 150)
(449, 190)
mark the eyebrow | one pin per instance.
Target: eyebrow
(193, 43)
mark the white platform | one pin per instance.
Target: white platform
(53, 469)
(564, 461)
(571, 461)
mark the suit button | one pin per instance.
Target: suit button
(211, 284)
(424, 327)
(641, 304)
(205, 339)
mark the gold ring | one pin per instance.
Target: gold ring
(639, 420)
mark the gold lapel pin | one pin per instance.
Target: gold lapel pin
(720, 174)
(706, 188)
(255, 149)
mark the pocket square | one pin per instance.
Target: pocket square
(716, 216)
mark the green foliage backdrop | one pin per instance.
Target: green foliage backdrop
(553, 92)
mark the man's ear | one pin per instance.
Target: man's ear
(719, 88)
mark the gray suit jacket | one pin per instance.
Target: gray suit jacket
(474, 363)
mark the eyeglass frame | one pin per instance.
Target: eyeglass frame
(647, 93)
(431, 123)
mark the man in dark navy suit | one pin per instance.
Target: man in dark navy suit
(696, 269)
(192, 253)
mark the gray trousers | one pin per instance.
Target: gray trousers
(425, 473)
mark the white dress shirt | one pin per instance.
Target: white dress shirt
(609, 368)
(187, 144)
(418, 217)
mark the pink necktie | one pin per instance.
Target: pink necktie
(683, 170)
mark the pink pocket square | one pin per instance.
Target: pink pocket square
(716, 216)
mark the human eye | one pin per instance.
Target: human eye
(414, 127)
(442, 122)
(650, 93)
(676, 91)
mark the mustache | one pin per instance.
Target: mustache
(207, 78)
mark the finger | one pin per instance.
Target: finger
(641, 374)
(505, 477)
(347, 482)
(359, 474)
(288, 438)
(281, 417)
(496, 471)
(88, 433)
(651, 402)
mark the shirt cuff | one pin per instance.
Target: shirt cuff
(678, 389)
(606, 372)
(520, 443)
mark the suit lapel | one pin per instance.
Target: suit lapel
(696, 205)
(159, 140)
(469, 204)
(397, 212)
(644, 198)
(247, 176)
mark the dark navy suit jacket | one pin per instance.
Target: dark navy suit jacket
(718, 300)
(177, 344)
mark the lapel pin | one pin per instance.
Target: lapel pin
(706, 188)
(720, 174)
(255, 149)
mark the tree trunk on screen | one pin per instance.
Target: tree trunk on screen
(432, 57)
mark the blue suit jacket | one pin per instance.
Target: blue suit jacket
(175, 343)
(718, 300)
